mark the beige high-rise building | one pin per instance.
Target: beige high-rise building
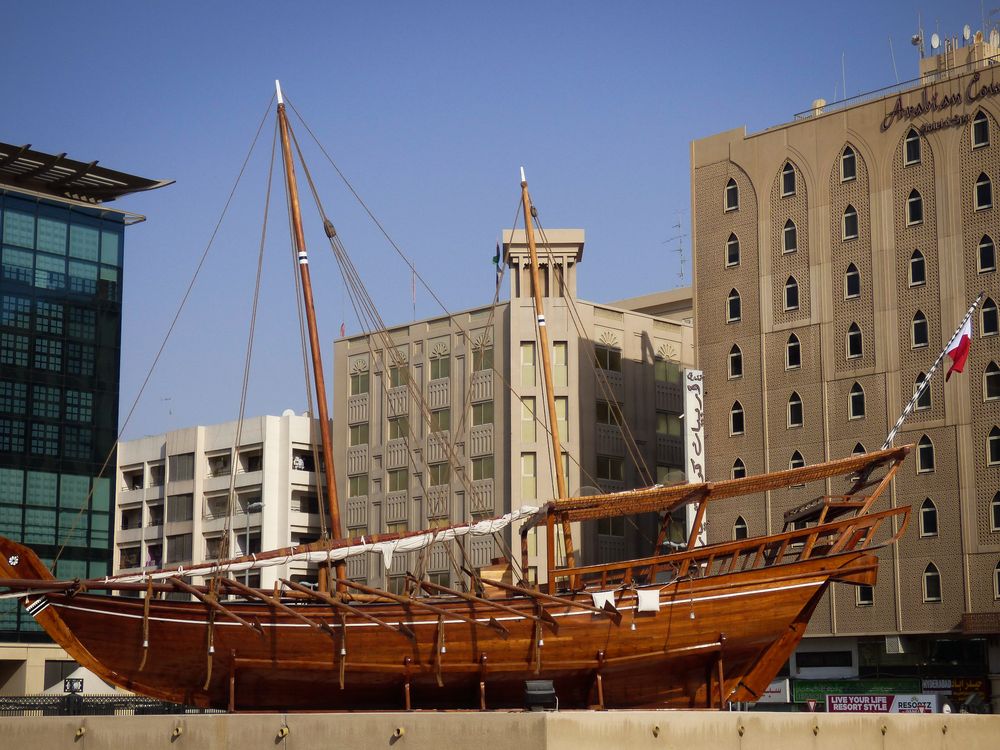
(441, 421)
(834, 255)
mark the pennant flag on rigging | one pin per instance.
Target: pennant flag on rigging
(958, 348)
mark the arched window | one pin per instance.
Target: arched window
(849, 225)
(739, 469)
(932, 583)
(733, 251)
(911, 148)
(732, 196)
(996, 581)
(852, 282)
(925, 455)
(989, 323)
(787, 180)
(735, 362)
(995, 513)
(794, 410)
(793, 353)
(993, 447)
(991, 382)
(980, 130)
(987, 255)
(736, 419)
(918, 269)
(924, 401)
(848, 165)
(856, 402)
(855, 343)
(918, 331)
(740, 530)
(928, 518)
(796, 461)
(789, 237)
(984, 193)
(791, 294)
(914, 208)
(859, 449)
(733, 308)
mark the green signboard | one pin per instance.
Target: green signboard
(817, 690)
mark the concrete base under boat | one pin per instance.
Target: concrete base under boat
(572, 730)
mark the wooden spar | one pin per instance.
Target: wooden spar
(314, 345)
(428, 586)
(543, 344)
(210, 602)
(339, 605)
(399, 599)
(273, 602)
(612, 614)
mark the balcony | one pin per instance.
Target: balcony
(481, 440)
(482, 385)
(358, 408)
(357, 567)
(396, 507)
(357, 459)
(439, 393)
(482, 499)
(357, 511)
(439, 501)
(670, 397)
(482, 550)
(609, 440)
(396, 454)
(437, 446)
(398, 401)
(669, 450)
(610, 548)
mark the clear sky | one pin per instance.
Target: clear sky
(429, 108)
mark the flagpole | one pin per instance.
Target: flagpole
(930, 373)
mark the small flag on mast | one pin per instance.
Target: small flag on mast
(958, 348)
(496, 263)
(343, 330)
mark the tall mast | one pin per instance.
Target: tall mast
(314, 345)
(543, 343)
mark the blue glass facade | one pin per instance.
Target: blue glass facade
(60, 339)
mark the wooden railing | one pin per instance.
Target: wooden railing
(746, 554)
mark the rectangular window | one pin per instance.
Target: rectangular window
(181, 467)
(440, 420)
(359, 434)
(50, 272)
(357, 486)
(668, 424)
(614, 526)
(560, 363)
(18, 229)
(529, 476)
(48, 354)
(608, 413)
(180, 508)
(562, 416)
(438, 475)
(82, 323)
(399, 427)
(611, 467)
(45, 402)
(608, 359)
(13, 397)
(482, 468)
(48, 318)
(77, 441)
(13, 350)
(12, 435)
(359, 383)
(179, 548)
(528, 433)
(527, 363)
(440, 368)
(213, 547)
(398, 376)
(51, 236)
(45, 439)
(82, 277)
(80, 359)
(482, 358)
(84, 242)
(482, 413)
(820, 659)
(398, 527)
(128, 557)
(397, 480)
(17, 265)
(15, 312)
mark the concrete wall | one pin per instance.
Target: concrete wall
(637, 730)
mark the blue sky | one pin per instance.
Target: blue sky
(429, 108)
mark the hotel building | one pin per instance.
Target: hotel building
(834, 256)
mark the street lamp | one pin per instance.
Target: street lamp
(251, 508)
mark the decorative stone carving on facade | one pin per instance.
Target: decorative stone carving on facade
(440, 348)
(668, 351)
(482, 339)
(609, 338)
(359, 365)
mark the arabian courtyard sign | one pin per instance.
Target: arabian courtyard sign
(937, 103)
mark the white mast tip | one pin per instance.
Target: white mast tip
(277, 88)
(522, 175)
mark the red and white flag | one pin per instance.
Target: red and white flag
(958, 348)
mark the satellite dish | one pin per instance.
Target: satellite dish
(966, 32)
(935, 40)
(995, 38)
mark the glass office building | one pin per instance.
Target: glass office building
(60, 347)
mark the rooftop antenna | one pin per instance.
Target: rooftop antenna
(892, 56)
(680, 246)
(843, 72)
(917, 40)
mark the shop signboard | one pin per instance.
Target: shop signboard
(776, 692)
(883, 704)
(804, 690)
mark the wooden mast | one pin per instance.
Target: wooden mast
(317, 359)
(543, 343)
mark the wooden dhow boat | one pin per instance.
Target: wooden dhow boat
(700, 626)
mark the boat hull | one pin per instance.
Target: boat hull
(735, 629)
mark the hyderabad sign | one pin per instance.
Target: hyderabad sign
(932, 103)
